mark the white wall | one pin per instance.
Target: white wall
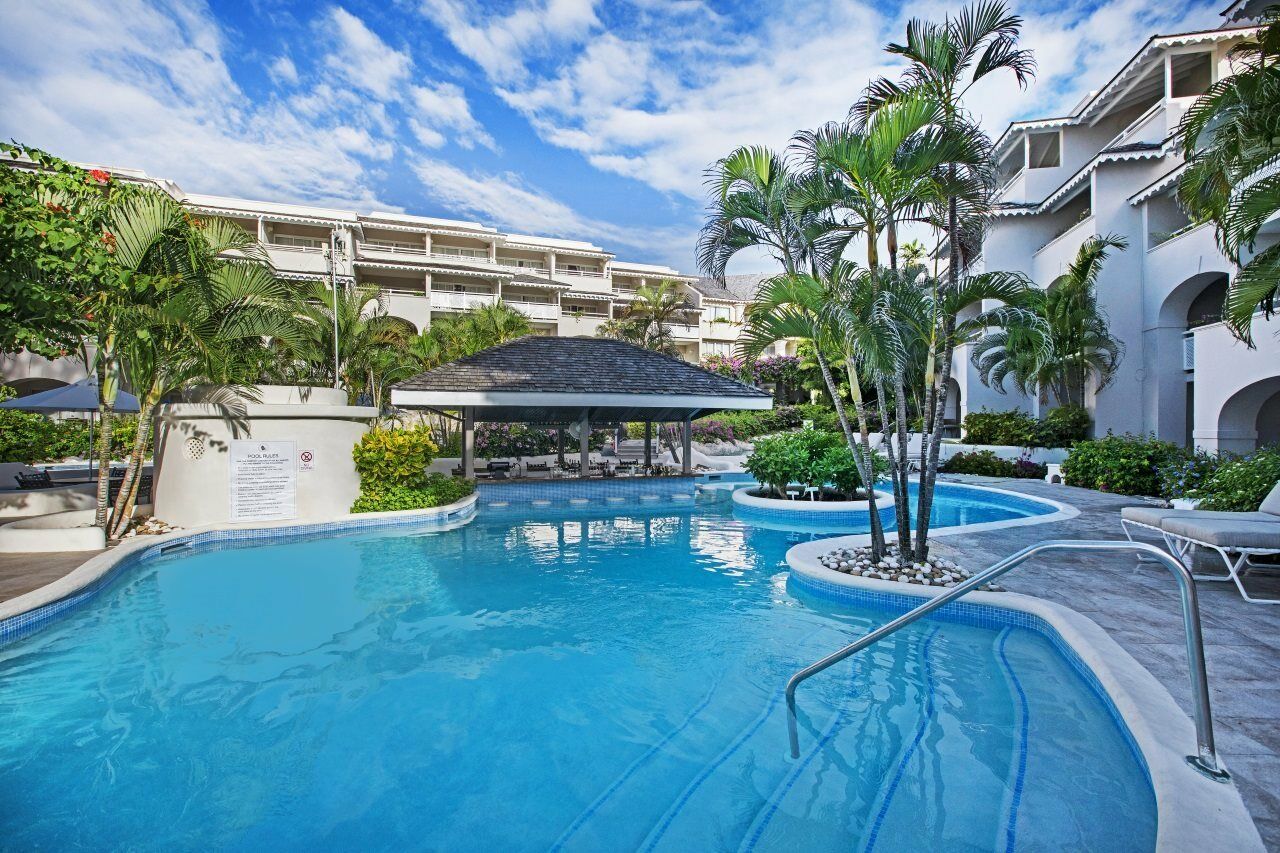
(193, 442)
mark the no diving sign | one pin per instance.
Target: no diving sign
(306, 461)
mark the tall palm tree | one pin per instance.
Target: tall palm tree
(1230, 138)
(455, 336)
(832, 314)
(945, 60)
(1069, 343)
(647, 320)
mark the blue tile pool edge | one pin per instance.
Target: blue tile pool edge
(28, 622)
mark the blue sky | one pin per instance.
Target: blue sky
(569, 118)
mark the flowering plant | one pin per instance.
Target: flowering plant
(781, 369)
(732, 366)
(712, 431)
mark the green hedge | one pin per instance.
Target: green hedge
(809, 456)
(988, 464)
(34, 439)
(1061, 427)
(1239, 484)
(435, 490)
(1124, 464)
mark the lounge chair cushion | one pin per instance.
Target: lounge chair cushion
(1271, 503)
(1227, 534)
(1154, 516)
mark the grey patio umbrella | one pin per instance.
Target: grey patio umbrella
(79, 396)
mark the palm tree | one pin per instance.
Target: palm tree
(753, 204)
(454, 336)
(1231, 142)
(944, 61)
(226, 302)
(829, 314)
(1069, 343)
(366, 333)
(647, 320)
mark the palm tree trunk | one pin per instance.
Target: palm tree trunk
(123, 512)
(108, 385)
(865, 465)
(902, 493)
(929, 469)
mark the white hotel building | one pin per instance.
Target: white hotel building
(1111, 167)
(431, 267)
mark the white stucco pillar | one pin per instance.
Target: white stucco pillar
(469, 442)
(584, 446)
(686, 448)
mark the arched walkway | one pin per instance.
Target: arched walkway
(1250, 417)
(1197, 300)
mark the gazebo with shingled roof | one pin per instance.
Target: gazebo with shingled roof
(574, 382)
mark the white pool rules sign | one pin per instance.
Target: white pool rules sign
(264, 480)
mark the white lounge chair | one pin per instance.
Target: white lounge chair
(1237, 537)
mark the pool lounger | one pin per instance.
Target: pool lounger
(1237, 537)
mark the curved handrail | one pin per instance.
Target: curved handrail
(1206, 761)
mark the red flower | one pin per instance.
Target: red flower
(110, 240)
(100, 176)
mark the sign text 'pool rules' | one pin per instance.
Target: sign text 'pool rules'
(264, 480)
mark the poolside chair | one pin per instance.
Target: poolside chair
(1237, 537)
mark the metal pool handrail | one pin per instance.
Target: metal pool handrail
(1206, 761)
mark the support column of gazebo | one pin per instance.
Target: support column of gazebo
(562, 382)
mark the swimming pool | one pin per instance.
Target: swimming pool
(561, 681)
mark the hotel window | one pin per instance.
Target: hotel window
(716, 348)
(721, 313)
(459, 251)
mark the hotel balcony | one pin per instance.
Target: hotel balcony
(537, 311)
(452, 300)
(685, 331)
(290, 258)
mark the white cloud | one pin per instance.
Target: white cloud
(507, 201)
(661, 95)
(500, 43)
(140, 85)
(363, 59)
(445, 105)
(283, 71)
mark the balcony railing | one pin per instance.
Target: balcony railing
(467, 254)
(683, 330)
(459, 301)
(581, 273)
(535, 310)
(291, 247)
(394, 248)
(526, 266)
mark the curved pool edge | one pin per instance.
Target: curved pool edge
(23, 615)
(1192, 811)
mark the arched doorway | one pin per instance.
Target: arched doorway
(1170, 363)
(1250, 417)
(34, 385)
(951, 414)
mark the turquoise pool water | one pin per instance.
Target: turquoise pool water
(541, 683)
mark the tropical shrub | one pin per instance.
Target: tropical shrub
(1064, 426)
(497, 441)
(981, 462)
(394, 457)
(781, 369)
(1009, 428)
(712, 431)
(811, 457)
(1181, 476)
(1240, 484)
(734, 367)
(435, 490)
(32, 438)
(1124, 464)
(1061, 427)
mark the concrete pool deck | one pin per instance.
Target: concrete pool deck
(1137, 604)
